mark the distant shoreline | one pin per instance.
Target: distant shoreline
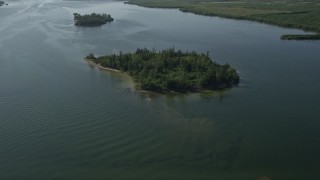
(300, 37)
(280, 15)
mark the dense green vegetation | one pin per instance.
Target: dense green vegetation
(171, 70)
(300, 37)
(91, 19)
(302, 14)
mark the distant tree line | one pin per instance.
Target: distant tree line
(171, 70)
(91, 19)
(300, 37)
(302, 14)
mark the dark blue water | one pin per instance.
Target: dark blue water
(60, 118)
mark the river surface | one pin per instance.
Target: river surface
(61, 118)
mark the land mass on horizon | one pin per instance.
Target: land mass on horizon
(298, 14)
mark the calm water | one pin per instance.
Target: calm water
(63, 119)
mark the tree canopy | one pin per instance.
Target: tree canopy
(170, 70)
(91, 19)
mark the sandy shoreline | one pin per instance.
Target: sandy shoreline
(135, 87)
(89, 61)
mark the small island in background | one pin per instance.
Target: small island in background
(91, 19)
(3, 3)
(170, 70)
(300, 37)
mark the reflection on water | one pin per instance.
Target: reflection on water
(62, 118)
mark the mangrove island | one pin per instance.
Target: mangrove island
(91, 19)
(170, 70)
